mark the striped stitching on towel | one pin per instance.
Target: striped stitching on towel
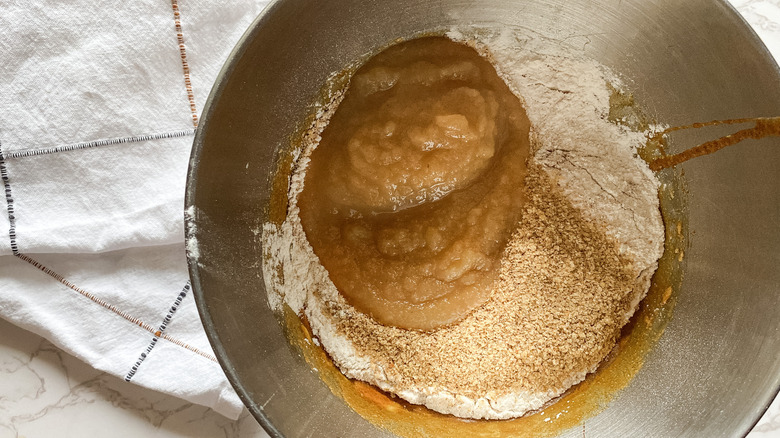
(184, 64)
(96, 143)
(61, 279)
(9, 200)
(113, 308)
(159, 332)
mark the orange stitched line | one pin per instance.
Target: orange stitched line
(113, 308)
(185, 65)
(187, 346)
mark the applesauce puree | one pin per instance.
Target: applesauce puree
(417, 183)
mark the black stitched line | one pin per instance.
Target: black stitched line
(96, 143)
(9, 200)
(159, 332)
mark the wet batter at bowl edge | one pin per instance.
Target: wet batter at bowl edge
(416, 185)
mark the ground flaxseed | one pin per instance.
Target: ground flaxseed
(557, 309)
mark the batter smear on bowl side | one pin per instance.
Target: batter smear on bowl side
(468, 237)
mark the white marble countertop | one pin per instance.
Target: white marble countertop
(45, 392)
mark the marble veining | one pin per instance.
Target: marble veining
(45, 392)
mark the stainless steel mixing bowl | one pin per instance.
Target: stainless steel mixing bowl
(717, 366)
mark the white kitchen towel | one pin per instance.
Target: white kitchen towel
(98, 108)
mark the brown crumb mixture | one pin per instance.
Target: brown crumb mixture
(555, 312)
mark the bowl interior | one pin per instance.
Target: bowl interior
(715, 369)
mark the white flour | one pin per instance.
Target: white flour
(191, 244)
(594, 162)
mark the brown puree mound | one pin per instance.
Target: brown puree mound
(417, 184)
(555, 313)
